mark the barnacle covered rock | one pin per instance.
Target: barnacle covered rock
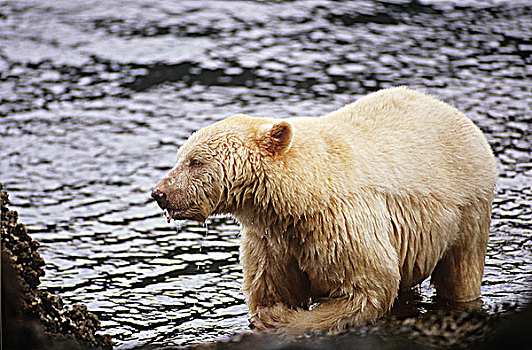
(33, 318)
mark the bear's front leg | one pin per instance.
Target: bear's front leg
(330, 314)
(270, 278)
(354, 302)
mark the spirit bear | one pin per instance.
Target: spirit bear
(343, 211)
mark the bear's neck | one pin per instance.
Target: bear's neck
(268, 222)
(261, 206)
(261, 221)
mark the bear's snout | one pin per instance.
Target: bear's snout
(160, 198)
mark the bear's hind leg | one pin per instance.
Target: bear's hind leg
(458, 276)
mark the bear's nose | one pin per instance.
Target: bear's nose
(160, 197)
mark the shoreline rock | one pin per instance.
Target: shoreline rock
(33, 318)
(470, 329)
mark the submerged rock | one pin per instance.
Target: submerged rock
(33, 318)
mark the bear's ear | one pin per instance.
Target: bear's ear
(277, 139)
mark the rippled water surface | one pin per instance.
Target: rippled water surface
(96, 96)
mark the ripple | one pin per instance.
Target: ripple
(95, 98)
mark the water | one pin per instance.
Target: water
(96, 97)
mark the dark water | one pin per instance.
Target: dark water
(96, 96)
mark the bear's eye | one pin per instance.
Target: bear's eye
(195, 162)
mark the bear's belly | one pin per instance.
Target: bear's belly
(319, 289)
(411, 277)
(323, 283)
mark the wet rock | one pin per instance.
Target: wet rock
(33, 318)
(471, 329)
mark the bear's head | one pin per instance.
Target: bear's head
(222, 166)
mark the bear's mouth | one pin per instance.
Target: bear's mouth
(180, 213)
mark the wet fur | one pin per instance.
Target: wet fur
(344, 210)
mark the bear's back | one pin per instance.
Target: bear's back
(401, 140)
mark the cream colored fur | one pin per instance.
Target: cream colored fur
(342, 211)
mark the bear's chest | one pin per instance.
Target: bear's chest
(305, 259)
